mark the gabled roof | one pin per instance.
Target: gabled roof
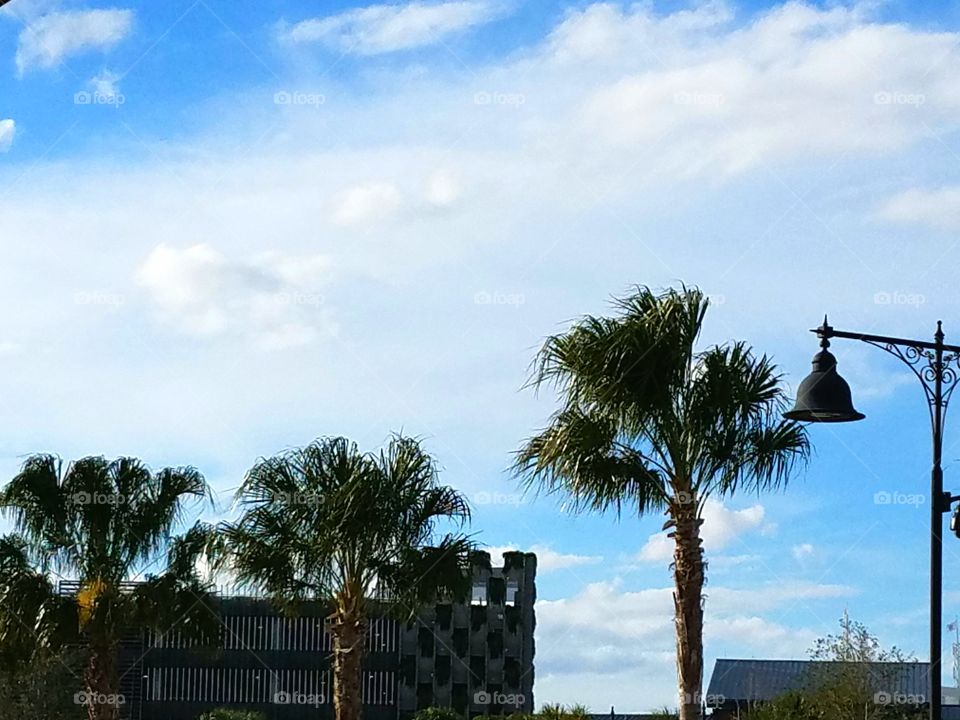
(753, 680)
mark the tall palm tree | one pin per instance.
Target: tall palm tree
(650, 422)
(100, 523)
(332, 524)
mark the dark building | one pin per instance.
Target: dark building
(475, 656)
(737, 685)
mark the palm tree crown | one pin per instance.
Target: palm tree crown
(645, 416)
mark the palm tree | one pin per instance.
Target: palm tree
(100, 523)
(331, 524)
(650, 422)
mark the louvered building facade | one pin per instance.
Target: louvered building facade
(476, 657)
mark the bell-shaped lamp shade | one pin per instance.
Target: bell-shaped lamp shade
(824, 396)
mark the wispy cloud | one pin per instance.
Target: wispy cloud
(388, 28)
(270, 299)
(933, 207)
(721, 527)
(548, 559)
(802, 551)
(49, 39)
(8, 130)
(614, 636)
(366, 202)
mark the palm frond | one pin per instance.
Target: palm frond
(734, 409)
(582, 456)
(23, 591)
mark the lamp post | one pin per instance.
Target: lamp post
(824, 396)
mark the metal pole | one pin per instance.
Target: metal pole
(933, 352)
(936, 532)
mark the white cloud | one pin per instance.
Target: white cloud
(386, 28)
(104, 85)
(271, 299)
(536, 188)
(802, 551)
(624, 640)
(721, 526)
(443, 189)
(725, 99)
(364, 203)
(381, 200)
(8, 130)
(938, 208)
(548, 559)
(775, 594)
(49, 39)
(605, 32)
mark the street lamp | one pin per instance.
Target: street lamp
(824, 396)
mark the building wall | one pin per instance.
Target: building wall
(475, 656)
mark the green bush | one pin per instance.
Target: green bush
(438, 713)
(562, 712)
(228, 714)
(42, 687)
(665, 714)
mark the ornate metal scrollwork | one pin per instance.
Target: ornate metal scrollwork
(923, 363)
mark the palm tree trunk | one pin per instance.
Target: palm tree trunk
(349, 644)
(688, 576)
(100, 678)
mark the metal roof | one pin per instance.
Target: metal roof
(752, 680)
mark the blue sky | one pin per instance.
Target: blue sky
(231, 228)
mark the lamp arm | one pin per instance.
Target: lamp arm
(825, 331)
(929, 361)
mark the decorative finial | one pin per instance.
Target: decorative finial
(825, 333)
